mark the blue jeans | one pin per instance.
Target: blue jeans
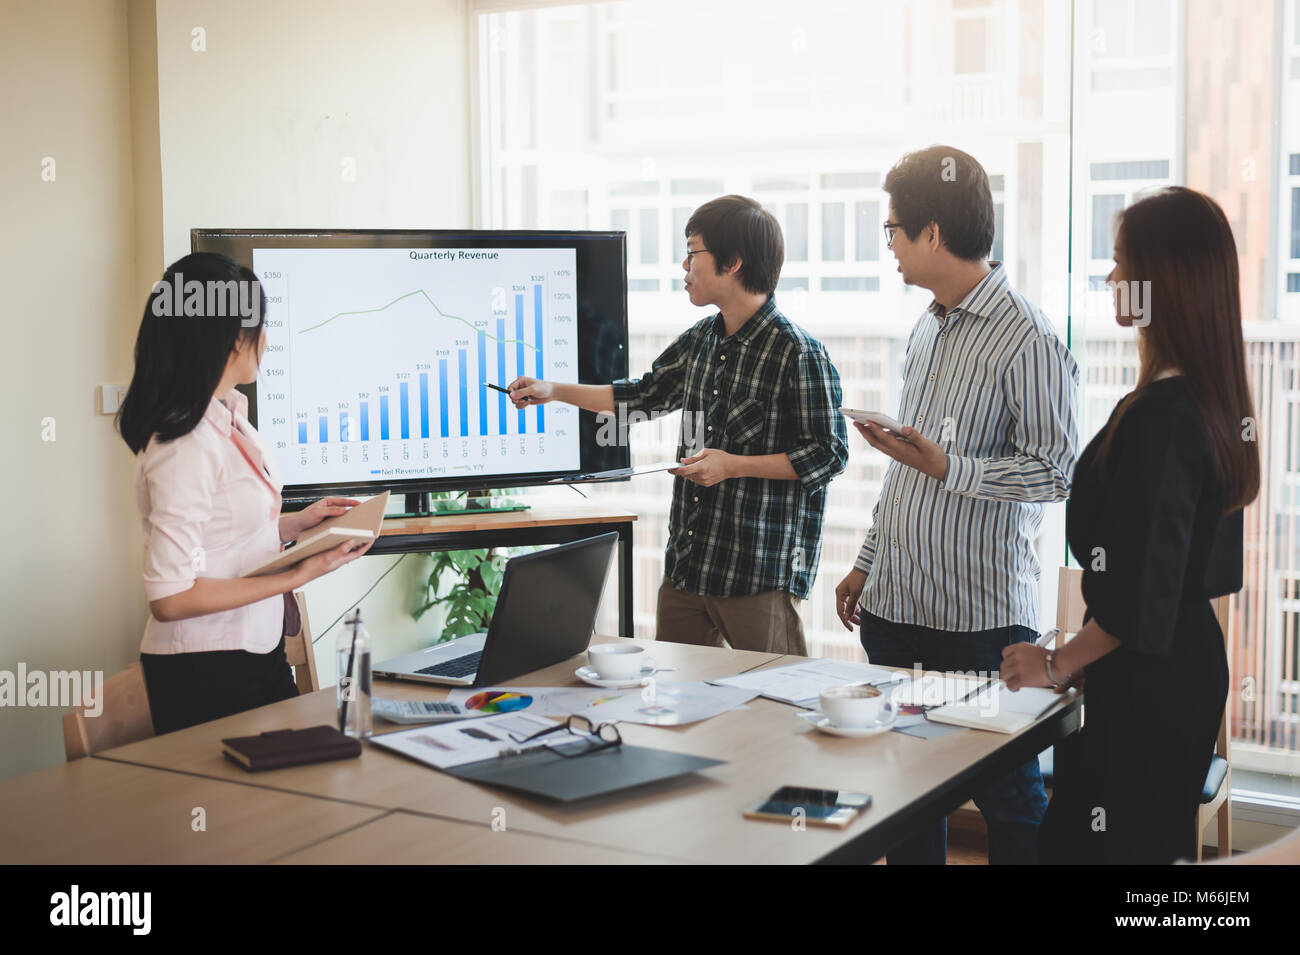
(1012, 806)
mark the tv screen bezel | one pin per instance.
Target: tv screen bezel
(238, 244)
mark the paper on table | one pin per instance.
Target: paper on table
(801, 683)
(454, 744)
(554, 701)
(998, 709)
(669, 703)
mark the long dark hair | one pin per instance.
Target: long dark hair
(1179, 240)
(202, 308)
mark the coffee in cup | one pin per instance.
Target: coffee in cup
(617, 661)
(853, 707)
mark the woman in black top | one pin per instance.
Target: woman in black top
(1155, 521)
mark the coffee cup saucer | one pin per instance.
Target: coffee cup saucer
(587, 674)
(822, 722)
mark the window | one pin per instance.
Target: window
(866, 226)
(999, 228)
(1104, 210)
(1295, 223)
(1147, 169)
(970, 45)
(649, 236)
(833, 232)
(796, 232)
(634, 143)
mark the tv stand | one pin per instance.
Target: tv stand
(546, 523)
(421, 504)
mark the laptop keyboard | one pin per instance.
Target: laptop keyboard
(460, 666)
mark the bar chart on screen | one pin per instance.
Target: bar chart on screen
(377, 361)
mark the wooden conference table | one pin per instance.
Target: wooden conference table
(136, 803)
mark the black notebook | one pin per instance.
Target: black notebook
(279, 748)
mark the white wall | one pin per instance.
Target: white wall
(152, 138)
(70, 590)
(256, 130)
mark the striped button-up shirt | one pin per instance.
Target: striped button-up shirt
(768, 388)
(992, 383)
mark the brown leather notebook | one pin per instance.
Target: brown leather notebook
(279, 748)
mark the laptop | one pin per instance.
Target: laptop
(545, 613)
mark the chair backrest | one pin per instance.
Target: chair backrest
(1069, 603)
(299, 651)
(1285, 851)
(124, 717)
(1223, 610)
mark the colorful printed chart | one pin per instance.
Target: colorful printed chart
(498, 701)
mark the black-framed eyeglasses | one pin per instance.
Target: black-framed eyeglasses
(890, 228)
(691, 252)
(605, 735)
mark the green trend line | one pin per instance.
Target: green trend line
(420, 291)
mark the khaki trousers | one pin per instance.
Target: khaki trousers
(768, 621)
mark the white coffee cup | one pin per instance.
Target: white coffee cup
(618, 661)
(854, 707)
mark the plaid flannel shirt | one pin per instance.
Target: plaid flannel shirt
(769, 388)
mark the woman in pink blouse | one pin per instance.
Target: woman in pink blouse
(209, 496)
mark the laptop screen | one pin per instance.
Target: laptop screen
(546, 609)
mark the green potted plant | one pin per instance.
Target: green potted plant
(475, 578)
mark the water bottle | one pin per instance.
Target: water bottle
(354, 679)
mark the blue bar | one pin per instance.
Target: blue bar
(501, 371)
(464, 407)
(442, 395)
(537, 318)
(519, 351)
(383, 417)
(324, 430)
(343, 426)
(424, 404)
(365, 421)
(406, 412)
(302, 432)
(482, 389)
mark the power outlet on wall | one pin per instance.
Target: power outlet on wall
(110, 398)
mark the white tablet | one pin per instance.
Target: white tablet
(875, 417)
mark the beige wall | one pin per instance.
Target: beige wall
(256, 130)
(151, 138)
(69, 575)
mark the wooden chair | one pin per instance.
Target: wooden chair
(124, 717)
(1285, 851)
(1069, 621)
(1216, 795)
(299, 651)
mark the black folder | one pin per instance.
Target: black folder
(541, 771)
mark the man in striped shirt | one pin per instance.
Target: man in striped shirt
(948, 574)
(762, 436)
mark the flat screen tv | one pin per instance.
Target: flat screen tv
(381, 344)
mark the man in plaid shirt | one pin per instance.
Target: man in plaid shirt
(761, 438)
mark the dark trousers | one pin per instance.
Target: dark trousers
(189, 688)
(1012, 806)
